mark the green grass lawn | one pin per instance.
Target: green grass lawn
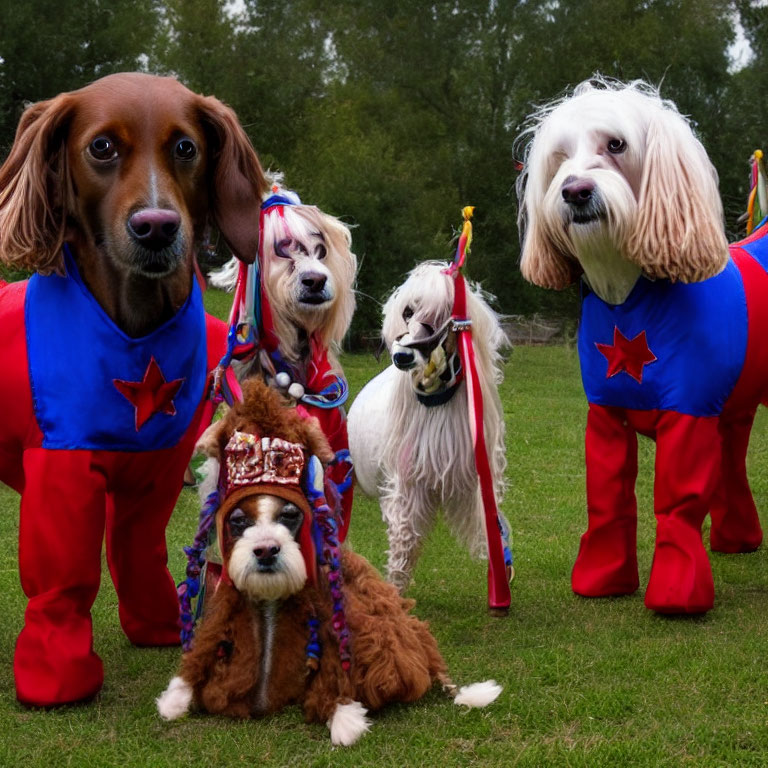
(586, 682)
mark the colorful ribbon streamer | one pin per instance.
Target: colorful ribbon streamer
(499, 597)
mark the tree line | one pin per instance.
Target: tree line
(393, 114)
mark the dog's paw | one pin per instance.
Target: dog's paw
(478, 694)
(175, 700)
(400, 579)
(348, 723)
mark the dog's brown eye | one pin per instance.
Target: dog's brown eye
(321, 252)
(407, 314)
(185, 149)
(102, 148)
(616, 146)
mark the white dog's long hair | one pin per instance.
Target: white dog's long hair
(415, 458)
(613, 172)
(309, 276)
(446, 461)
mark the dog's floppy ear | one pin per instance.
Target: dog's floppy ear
(679, 231)
(541, 262)
(236, 178)
(34, 184)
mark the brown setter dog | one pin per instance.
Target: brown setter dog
(105, 351)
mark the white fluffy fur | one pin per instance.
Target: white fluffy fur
(175, 700)
(660, 211)
(348, 723)
(225, 278)
(478, 694)
(290, 574)
(415, 459)
(209, 474)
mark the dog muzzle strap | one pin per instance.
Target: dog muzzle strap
(449, 380)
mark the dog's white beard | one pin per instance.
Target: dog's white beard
(600, 246)
(289, 576)
(609, 274)
(432, 447)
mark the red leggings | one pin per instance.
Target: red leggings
(71, 499)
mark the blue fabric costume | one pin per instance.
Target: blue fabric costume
(687, 365)
(96, 388)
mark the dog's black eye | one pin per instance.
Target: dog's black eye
(616, 146)
(102, 148)
(321, 252)
(185, 149)
(291, 517)
(407, 314)
(238, 522)
(281, 248)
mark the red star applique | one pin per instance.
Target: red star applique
(628, 355)
(153, 394)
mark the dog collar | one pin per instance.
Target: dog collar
(439, 398)
(453, 375)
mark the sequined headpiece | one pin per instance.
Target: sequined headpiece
(252, 460)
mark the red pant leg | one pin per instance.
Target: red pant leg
(687, 471)
(61, 531)
(735, 522)
(607, 559)
(18, 428)
(140, 506)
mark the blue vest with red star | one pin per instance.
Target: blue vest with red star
(670, 346)
(95, 388)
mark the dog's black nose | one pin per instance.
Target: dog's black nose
(267, 552)
(404, 360)
(314, 281)
(154, 228)
(577, 192)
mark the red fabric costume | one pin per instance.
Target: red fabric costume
(687, 365)
(69, 499)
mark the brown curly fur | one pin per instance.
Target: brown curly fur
(394, 655)
(264, 411)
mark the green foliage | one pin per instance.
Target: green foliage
(394, 114)
(47, 47)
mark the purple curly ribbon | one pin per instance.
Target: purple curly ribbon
(190, 587)
(329, 555)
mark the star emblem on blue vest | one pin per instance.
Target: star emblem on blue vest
(153, 394)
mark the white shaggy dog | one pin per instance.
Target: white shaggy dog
(308, 276)
(301, 304)
(409, 431)
(615, 184)
(616, 190)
